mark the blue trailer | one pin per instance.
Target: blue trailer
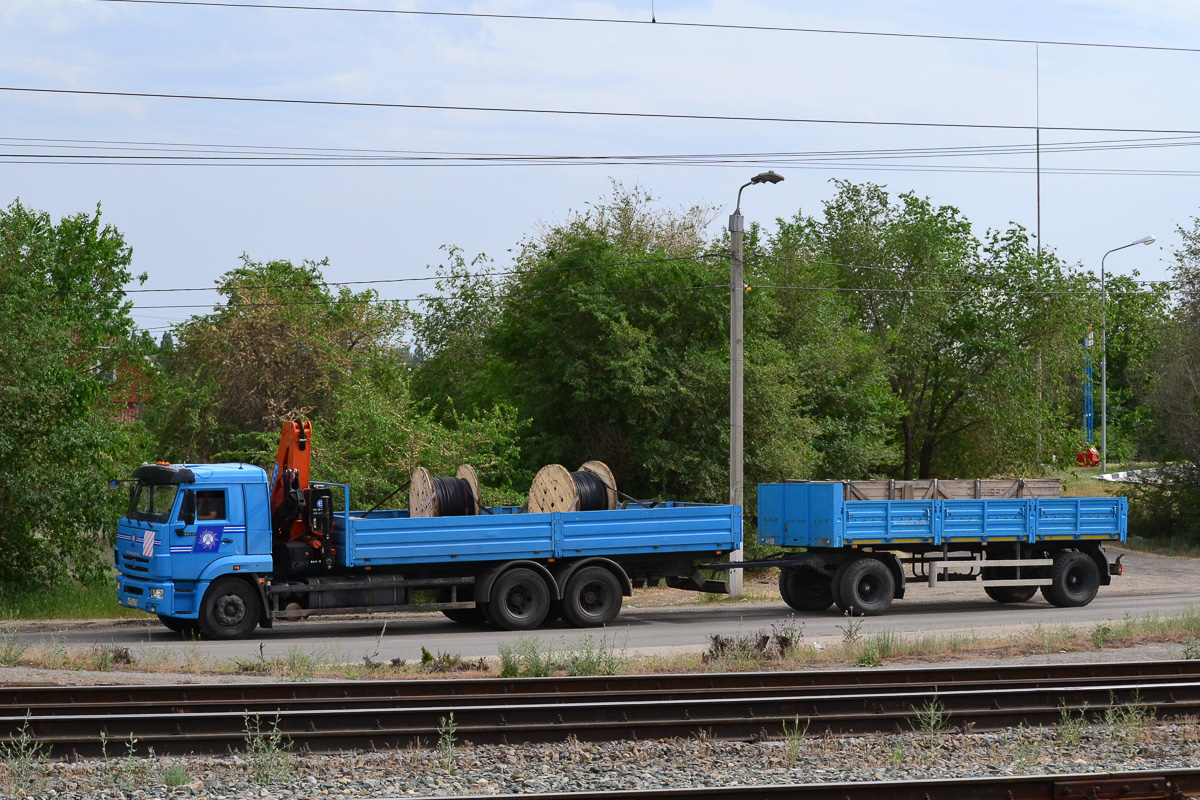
(225, 570)
(860, 553)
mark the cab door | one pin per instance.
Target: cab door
(219, 528)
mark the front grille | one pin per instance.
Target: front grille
(134, 590)
(131, 562)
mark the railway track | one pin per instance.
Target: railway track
(348, 715)
(1177, 784)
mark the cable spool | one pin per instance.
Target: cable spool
(444, 497)
(591, 488)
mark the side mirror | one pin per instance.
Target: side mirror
(187, 509)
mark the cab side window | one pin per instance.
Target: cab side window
(210, 504)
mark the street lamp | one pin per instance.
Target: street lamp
(1104, 353)
(736, 425)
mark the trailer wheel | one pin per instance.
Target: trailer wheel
(520, 600)
(184, 627)
(805, 589)
(1076, 579)
(230, 610)
(867, 587)
(1006, 594)
(1010, 594)
(591, 598)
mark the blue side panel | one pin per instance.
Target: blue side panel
(800, 514)
(637, 531)
(1092, 517)
(393, 538)
(973, 520)
(815, 515)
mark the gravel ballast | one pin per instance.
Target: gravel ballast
(1126, 744)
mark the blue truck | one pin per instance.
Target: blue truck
(856, 545)
(221, 549)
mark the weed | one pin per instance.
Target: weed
(447, 662)
(793, 739)
(369, 660)
(22, 755)
(445, 744)
(786, 636)
(1101, 635)
(898, 755)
(259, 666)
(1191, 649)
(1024, 749)
(175, 775)
(266, 751)
(102, 659)
(528, 658)
(1127, 721)
(132, 771)
(11, 649)
(869, 658)
(852, 630)
(931, 718)
(301, 666)
(1071, 728)
(737, 652)
(590, 657)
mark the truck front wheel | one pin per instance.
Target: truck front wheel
(1076, 580)
(592, 598)
(867, 587)
(230, 610)
(519, 600)
(805, 589)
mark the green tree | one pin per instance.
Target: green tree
(64, 327)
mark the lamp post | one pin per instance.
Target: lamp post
(737, 288)
(1104, 353)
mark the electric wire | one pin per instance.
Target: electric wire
(590, 113)
(654, 22)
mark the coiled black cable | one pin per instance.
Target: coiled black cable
(454, 497)
(593, 494)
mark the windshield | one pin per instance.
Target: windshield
(152, 503)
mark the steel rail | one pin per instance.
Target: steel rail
(195, 697)
(739, 718)
(1167, 784)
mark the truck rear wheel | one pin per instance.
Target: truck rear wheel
(519, 600)
(867, 587)
(1076, 580)
(591, 598)
(805, 589)
(230, 610)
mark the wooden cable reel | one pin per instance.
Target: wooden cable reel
(555, 489)
(444, 497)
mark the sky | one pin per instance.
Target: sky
(381, 216)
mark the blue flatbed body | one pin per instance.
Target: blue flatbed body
(815, 515)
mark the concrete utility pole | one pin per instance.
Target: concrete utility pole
(1104, 353)
(737, 290)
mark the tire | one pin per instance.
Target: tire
(806, 589)
(519, 601)
(785, 584)
(835, 585)
(1076, 580)
(1006, 594)
(466, 616)
(867, 587)
(184, 627)
(230, 609)
(591, 598)
(1010, 594)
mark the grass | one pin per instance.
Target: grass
(68, 601)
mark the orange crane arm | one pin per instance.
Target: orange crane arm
(290, 479)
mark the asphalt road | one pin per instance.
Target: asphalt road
(659, 629)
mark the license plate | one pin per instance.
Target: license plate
(131, 601)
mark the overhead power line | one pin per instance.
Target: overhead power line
(591, 113)
(661, 24)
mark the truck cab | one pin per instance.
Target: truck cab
(186, 527)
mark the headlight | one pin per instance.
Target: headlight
(156, 594)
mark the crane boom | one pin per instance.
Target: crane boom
(290, 480)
